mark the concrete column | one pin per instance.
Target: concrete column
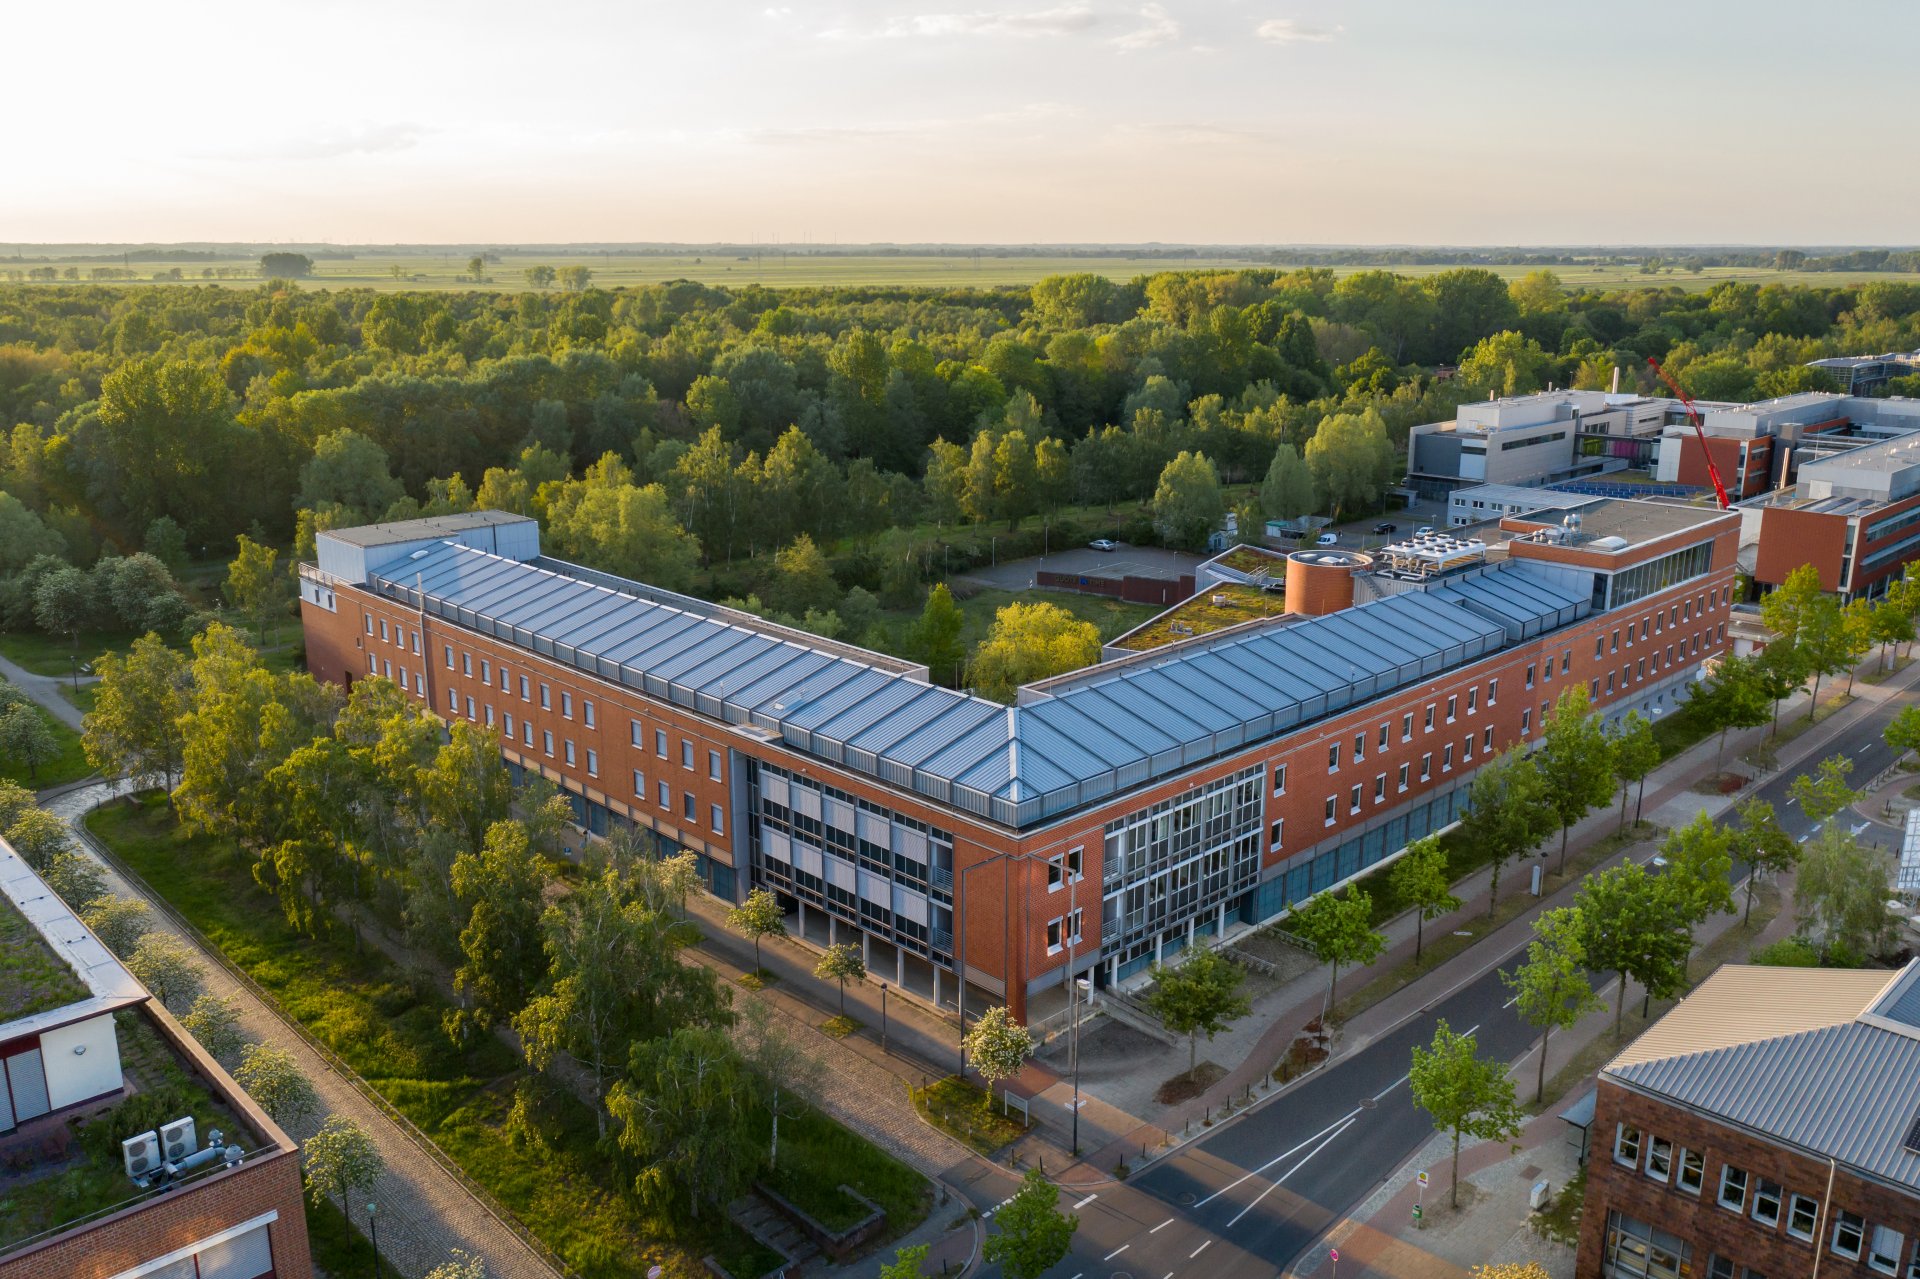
(1159, 946)
(1220, 925)
(1189, 934)
(1113, 970)
(803, 919)
(866, 950)
(936, 986)
(899, 967)
(833, 929)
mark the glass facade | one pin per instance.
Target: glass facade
(1302, 876)
(1654, 576)
(1636, 1250)
(1175, 863)
(883, 873)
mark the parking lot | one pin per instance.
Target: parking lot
(1142, 561)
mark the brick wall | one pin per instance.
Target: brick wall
(1701, 1221)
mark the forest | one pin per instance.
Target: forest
(869, 438)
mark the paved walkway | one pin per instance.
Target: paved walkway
(424, 1211)
(45, 689)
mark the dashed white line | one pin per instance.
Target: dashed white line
(1510, 1003)
(1197, 1251)
(1162, 1226)
(1345, 1124)
(1084, 1202)
(1390, 1087)
(1116, 1252)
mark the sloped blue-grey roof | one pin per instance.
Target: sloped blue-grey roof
(1075, 741)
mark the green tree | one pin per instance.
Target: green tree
(686, 1113)
(285, 266)
(1351, 461)
(215, 1023)
(1825, 791)
(1841, 889)
(26, 739)
(935, 638)
(605, 521)
(1551, 989)
(575, 279)
(166, 541)
(539, 277)
(461, 1264)
(786, 1070)
(272, 1078)
(119, 922)
(1419, 879)
(63, 604)
(1779, 668)
(758, 916)
(342, 1162)
(1903, 730)
(1287, 492)
(996, 1046)
(802, 579)
(909, 1262)
(254, 586)
(1031, 1233)
(1338, 930)
(164, 427)
(1635, 754)
(133, 729)
(74, 879)
(502, 956)
(1738, 696)
(24, 536)
(349, 474)
(1187, 502)
(1575, 761)
(38, 836)
(1465, 1096)
(1029, 642)
(476, 268)
(1197, 995)
(1763, 845)
(1629, 928)
(841, 963)
(1507, 813)
(1699, 865)
(163, 964)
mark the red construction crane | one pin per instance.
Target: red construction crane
(1699, 433)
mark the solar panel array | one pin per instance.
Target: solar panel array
(1084, 739)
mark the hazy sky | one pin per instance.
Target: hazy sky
(1243, 121)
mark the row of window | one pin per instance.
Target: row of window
(1406, 729)
(663, 796)
(1766, 1202)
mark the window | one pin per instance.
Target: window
(1733, 1187)
(1446, 760)
(567, 751)
(660, 743)
(384, 637)
(420, 683)
(1615, 648)
(525, 695)
(1626, 1146)
(466, 664)
(1473, 699)
(526, 732)
(1062, 868)
(373, 665)
(1453, 708)
(1428, 726)
(593, 762)
(715, 820)
(713, 765)
(1719, 1267)
(1406, 728)
(639, 783)
(1353, 800)
(1849, 1233)
(1566, 661)
(368, 619)
(1333, 802)
(686, 804)
(665, 794)
(509, 720)
(1278, 834)
(1426, 767)
(1333, 758)
(416, 643)
(488, 709)
(1609, 683)
(1530, 674)
(469, 708)
(1379, 788)
(1486, 738)
(1803, 1214)
(1062, 931)
(686, 754)
(453, 702)
(1493, 691)
(1468, 755)
(586, 710)
(387, 669)
(1884, 1248)
(566, 705)
(403, 679)
(1593, 688)
(1359, 745)
(1693, 1172)
(1383, 735)
(546, 741)
(1526, 721)
(1766, 1202)
(446, 651)
(633, 732)
(486, 671)
(504, 680)
(1279, 779)
(1404, 770)
(546, 698)
(1599, 645)
(1659, 1158)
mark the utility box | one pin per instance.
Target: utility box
(1538, 1199)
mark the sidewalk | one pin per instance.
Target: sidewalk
(45, 689)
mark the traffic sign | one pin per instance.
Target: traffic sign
(1423, 1179)
(1333, 1254)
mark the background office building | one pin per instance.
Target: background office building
(1768, 1126)
(1534, 439)
(1113, 815)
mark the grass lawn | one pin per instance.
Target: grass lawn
(959, 1108)
(53, 655)
(70, 765)
(82, 698)
(549, 1172)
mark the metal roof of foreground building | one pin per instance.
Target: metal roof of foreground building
(1078, 740)
(1827, 1060)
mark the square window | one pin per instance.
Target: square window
(1692, 1172)
(1803, 1215)
(1849, 1233)
(715, 820)
(1733, 1187)
(1626, 1146)
(1884, 1247)
(1659, 1158)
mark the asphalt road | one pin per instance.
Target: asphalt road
(1247, 1200)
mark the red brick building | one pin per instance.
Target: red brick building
(1112, 816)
(1768, 1126)
(86, 1190)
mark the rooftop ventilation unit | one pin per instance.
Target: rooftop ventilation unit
(176, 1139)
(1912, 1140)
(141, 1155)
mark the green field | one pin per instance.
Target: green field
(818, 270)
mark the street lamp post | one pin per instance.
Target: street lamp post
(883, 1016)
(373, 1229)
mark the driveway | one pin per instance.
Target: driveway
(1141, 561)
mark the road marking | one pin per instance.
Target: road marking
(1862, 826)
(1469, 1030)
(1084, 1202)
(1390, 1087)
(1278, 1158)
(1162, 1226)
(1116, 1252)
(1197, 1251)
(1510, 1003)
(1792, 800)
(1289, 1172)
(1803, 839)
